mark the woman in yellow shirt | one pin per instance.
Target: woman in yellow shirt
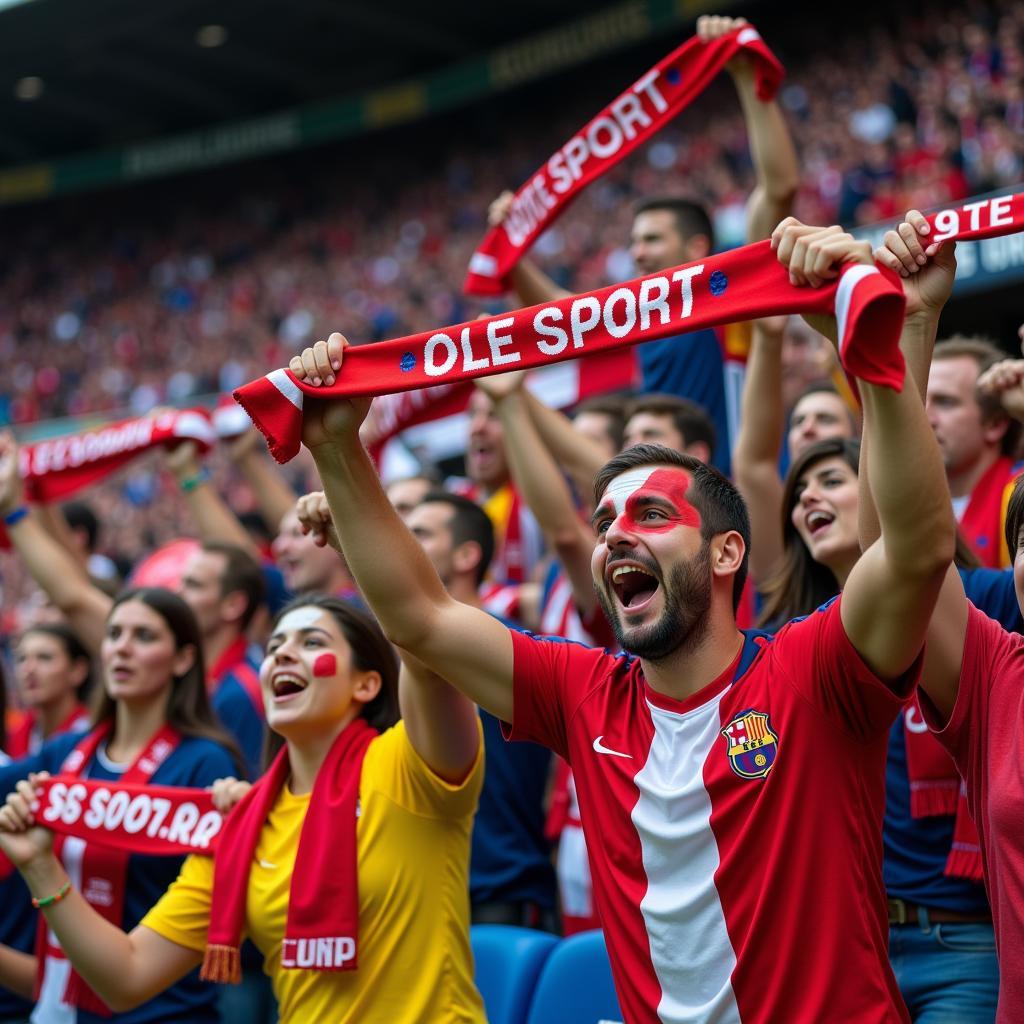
(368, 919)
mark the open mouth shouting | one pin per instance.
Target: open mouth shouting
(286, 686)
(633, 585)
(818, 520)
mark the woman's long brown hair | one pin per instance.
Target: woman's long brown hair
(371, 652)
(188, 708)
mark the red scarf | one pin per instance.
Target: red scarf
(103, 867)
(627, 122)
(391, 414)
(322, 932)
(936, 789)
(743, 284)
(982, 521)
(56, 468)
(19, 741)
(159, 821)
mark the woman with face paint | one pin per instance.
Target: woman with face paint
(346, 864)
(151, 722)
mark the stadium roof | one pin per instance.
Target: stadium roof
(87, 75)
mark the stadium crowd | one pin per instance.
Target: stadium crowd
(335, 677)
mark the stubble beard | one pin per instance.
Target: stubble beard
(684, 621)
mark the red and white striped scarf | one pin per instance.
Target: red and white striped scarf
(743, 284)
(629, 121)
(56, 468)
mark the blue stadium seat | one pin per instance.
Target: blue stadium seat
(575, 986)
(508, 961)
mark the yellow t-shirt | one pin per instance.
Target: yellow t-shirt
(415, 964)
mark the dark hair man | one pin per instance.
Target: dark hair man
(978, 442)
(725, 778)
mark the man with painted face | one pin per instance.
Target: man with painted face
(731, 783)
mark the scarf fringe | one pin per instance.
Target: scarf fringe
(222, 964)
(964, 861)
(934, 798)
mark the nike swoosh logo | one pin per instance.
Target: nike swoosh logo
(266, 864)
(602, 749)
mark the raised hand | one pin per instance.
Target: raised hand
(315, 518)
(1005, 380)
(501, 385)
(20, 837)
(227, 792)
(183, 459)
(12, 491)
(326, 421)
(814, 255)
(928, 268)
(714, 26)
(498, 210)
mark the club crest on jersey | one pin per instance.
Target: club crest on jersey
(752, 746)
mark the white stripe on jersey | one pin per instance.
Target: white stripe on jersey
(694, 963)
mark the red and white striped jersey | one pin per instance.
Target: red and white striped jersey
(735, 836)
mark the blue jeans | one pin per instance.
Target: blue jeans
(947, 973)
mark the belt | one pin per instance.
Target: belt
(903, 912)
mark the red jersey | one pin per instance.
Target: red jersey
(984, 518)
(985, 738)
(735, 837)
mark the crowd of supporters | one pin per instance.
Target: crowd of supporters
(194, 296)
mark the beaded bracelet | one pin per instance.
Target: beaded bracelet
(15, 515)
(190, 483)
(48, 901)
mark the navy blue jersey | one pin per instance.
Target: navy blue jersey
(233, 704)
(510, 858)
(916, 848)
(196, 763)
(691, 366)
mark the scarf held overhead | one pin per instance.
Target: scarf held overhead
(743, 284)
(56, 468)
(629, 121)
(322, 930)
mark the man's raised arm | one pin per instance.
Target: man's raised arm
(463, 645)
(771, 145)
(890, 595)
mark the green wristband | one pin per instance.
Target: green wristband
(190, 483)
(47, 901)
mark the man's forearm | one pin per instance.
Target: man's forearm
(916, 342)
(907, 480)
(274, 497)
(576, 454)
(394, 576)
(532, 286)
(59, 575)
(755, 460)
(774, 158)
(545, 491)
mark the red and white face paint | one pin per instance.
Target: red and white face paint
(326, 664)
(649, 499)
